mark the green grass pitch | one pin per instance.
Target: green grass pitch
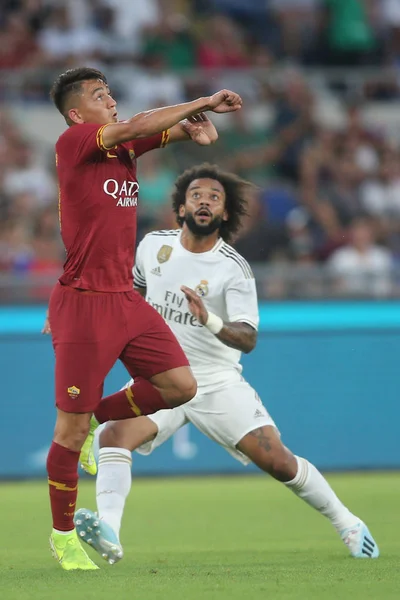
(219, 538)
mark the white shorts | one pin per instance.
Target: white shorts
(224, 416)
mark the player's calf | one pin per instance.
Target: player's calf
(129, 434)
(264, 448)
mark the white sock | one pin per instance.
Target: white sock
(313, 488)
(113, 484)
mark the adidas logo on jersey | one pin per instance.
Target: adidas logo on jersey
(156, 271)
(258, 413)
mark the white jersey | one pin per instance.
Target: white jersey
(224, 280)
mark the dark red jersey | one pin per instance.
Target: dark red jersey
(98, 197)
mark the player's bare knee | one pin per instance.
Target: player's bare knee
(111, 436)
(71, 429)
(184, 392)
(72, 438)
(108, 437)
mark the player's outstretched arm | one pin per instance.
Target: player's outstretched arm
(238, 335)
(151, 122)
(199, 129)
(46, 329)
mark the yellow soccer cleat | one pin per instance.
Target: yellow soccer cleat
(69, 552)
(86, 457)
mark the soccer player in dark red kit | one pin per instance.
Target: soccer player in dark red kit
(95, 315)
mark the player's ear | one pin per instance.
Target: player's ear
(74, 116)
(181, 210)
(225, 215)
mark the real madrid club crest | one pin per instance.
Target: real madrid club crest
(164, 253)
(202, 288)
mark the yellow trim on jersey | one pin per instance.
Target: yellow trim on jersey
(134, 406)
(62, 487)
(165, 138)
(59, 207)
(99, 138)
(59, 198)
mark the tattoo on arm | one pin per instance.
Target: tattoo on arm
(262, 438)
(240, 336)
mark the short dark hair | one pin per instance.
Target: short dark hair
(235, 192)
(70, 82)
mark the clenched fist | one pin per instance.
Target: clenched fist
(224, 101)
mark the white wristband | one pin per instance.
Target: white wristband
(214, 323)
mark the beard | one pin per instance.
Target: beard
(202, 230)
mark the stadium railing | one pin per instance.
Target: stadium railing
(274, 282)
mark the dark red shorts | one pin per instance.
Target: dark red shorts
(91, 330)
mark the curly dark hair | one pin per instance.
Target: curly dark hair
(70, 82)
(235, 191)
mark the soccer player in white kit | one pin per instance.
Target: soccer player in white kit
(206, 292)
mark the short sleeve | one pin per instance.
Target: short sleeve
(82, 143)
(139, 274)
(142, 145)
(241, 298)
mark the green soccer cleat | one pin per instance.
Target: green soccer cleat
(86, 457)
(68, 550)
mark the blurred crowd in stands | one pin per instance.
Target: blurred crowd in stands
(324, 219)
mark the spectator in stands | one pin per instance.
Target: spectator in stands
(297, 20)
(132, 18)
(294, 123)
(46, 244)
(18, 45)
(349, 34)
(390, 15)
(16, 252)
(259, 240)
(60, 41)
(344, 191)
(253, 16)
(329, 233)
(157, 177)
(173, 39)
(26, 175)
(152, 84)
(362, 267)
(317, 164)
(380, 195)
(222, 45)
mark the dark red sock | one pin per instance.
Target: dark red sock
(141, 398)
(62, 469)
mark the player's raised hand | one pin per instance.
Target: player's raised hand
(196, 305)
(224, 101)
(46, 329)
(201, 129)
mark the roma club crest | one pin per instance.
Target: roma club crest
(164, 253)
(73, 391)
